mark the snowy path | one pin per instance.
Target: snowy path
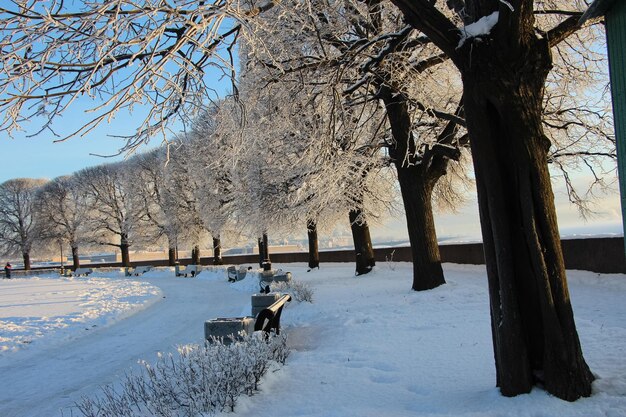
(42, 383)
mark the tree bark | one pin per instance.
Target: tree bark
(26, 258)
(417, 197)
(75, 258)
(266, 262)
(195, 255)
(364, 251)
(217, 251)
(261, 252)
(314, 254)
(417, 179)
(125, 253)
(171, 256)
(504, 75)
(534, 334)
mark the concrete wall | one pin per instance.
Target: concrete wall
(603, 255)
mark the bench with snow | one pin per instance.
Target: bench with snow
(267, 320)
(138, 270)
(187, 271)
(82, 272)
(235, 275)
(274, 276)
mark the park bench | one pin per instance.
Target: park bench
(235, 275)
(188, 271)
(82, 272)
(138, 270)
(267, 320)
(267, 277)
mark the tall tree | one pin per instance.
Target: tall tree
(367, 53)
(504, 59)
(62, 208)
(17, 217)
(166, 209)
(118, 213)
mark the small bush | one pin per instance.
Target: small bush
(298, 290)
(197, 379)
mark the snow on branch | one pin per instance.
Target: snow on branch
(481, 27)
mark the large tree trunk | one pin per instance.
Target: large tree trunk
(75, 258)
(416, 179)
(534, 334)
(217, 251)
(363, 249)
(171, 256)
(261, 251)
(195, 255)
(124, 250)
(266, 263)
(264, 254)
(417, 197)
(314, 254)
(26, 258)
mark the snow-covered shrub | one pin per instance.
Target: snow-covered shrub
(197, 379)
(389, 260)
(300, 291)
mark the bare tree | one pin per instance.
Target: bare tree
(165, 206)
(183, 187)
(293, 167)
(503, 55)
(62, 209)
(368, 54)
(118, 214)
(17, 217)
(117, 54)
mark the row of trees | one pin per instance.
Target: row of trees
(346, 89)
(215, 180)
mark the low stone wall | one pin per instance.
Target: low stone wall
(603, 255)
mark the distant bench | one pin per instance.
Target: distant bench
(138, 270)
(267, 320)
(235, 275)
(188, 271)
(82, 272)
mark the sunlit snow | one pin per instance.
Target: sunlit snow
(366, 346)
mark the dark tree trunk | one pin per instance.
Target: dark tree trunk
(314, 254)
(195, 255)
(504, 75)
(417, 197)
(534, 333)
(266, 263)
(417, 177)
(124, 249)
(261, 251)
(365, 260)
(26, 258)
(171, 256)
(217, 251)
(75, 258)
(125, 254)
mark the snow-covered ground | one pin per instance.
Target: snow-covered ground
(366, 346)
